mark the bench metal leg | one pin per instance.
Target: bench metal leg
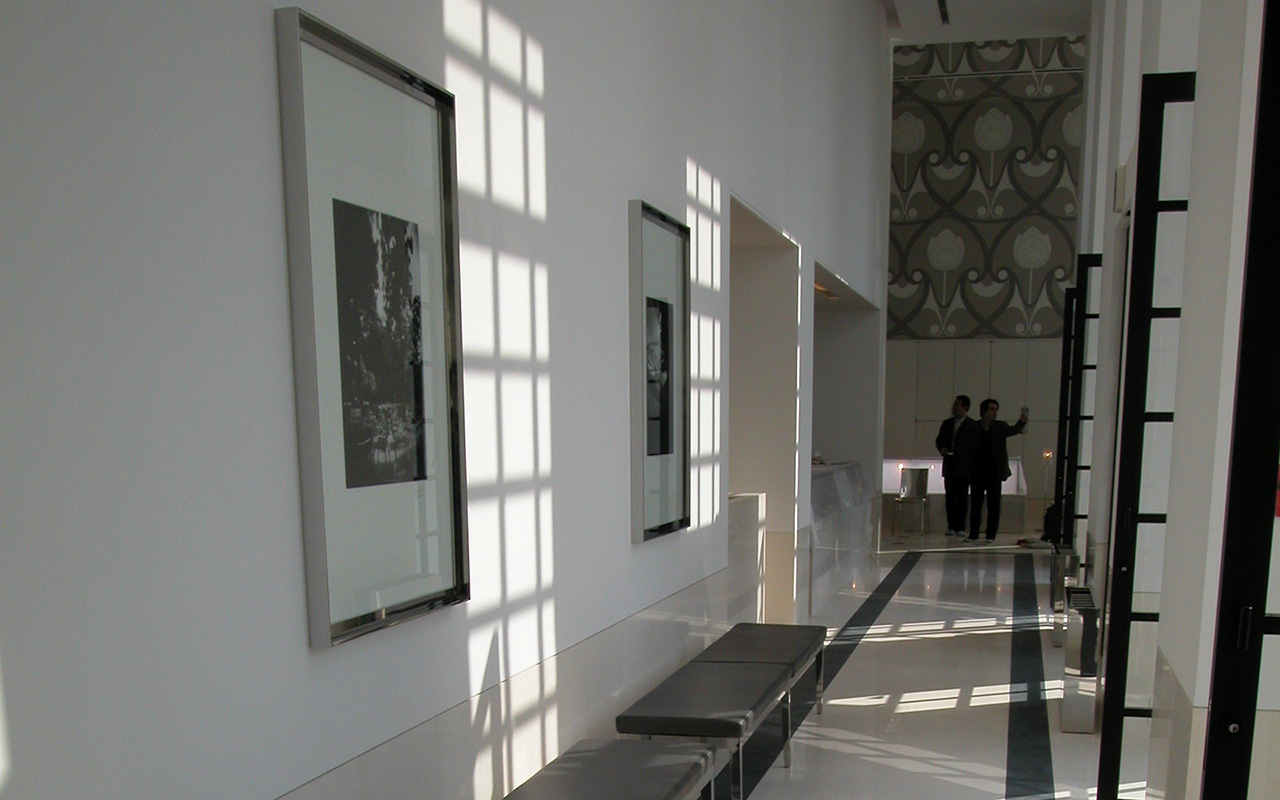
(737, 778)
(820, 679)
(786, 721)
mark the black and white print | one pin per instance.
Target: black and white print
(658, 395)
(378, 261)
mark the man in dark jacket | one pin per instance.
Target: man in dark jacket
(990, 468)
(957, 442)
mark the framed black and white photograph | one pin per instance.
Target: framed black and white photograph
(659, 280)
(370, 195)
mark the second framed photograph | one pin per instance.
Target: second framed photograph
(659, 273)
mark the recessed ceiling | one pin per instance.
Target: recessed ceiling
(983, 20)
(830, 293)
(749, 229)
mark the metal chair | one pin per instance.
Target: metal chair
(913, 490)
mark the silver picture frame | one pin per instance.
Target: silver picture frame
(660, 372)
(371, 214)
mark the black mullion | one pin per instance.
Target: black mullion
(1144, 616)
(1157, 91)
(1165, 206)
(1085, 264)
(1255, 449)
(1166, 312)
(1065, 380)
(1141, 713)
(1271, 625)
(1151, 519)
(1157, 416)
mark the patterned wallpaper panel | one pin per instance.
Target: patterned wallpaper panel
(986, 161)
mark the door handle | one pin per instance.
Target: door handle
(1245, 629)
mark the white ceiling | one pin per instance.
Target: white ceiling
(982, 20)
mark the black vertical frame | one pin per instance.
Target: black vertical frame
(1255, 451)
(1070, 462)
(1066, 386)
(1158, 91)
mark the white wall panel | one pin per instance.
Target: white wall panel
(1134, 757)
(900, 364)
(1140, 687)
(1044, 381)
(1083, 487)
(1091, 332)
(1148, 562)
(1088, 392)
(1086, 446)
(1162, 369)
(1175, 160)
(1039, 437)
(926, 435)
(1171, 259)
(935, 379)
(1269, 676)
(1157, 454)
(1008, 377)
(973, 371)
(1264, 770)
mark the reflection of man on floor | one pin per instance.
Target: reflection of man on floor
(990, 468)
(958, 443)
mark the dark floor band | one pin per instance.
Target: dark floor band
(1029, 764)
(843, 645)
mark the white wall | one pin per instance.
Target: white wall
(1095, 185)
(153, 628)
(1169, 35)
(1119, 36)
(763, 371)
(846, 361)
(1221, 170)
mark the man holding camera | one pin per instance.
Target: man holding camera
(990, 468)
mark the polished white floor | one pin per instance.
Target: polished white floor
(921, 708)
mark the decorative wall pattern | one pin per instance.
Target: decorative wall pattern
(986, 159)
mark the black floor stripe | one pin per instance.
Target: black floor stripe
(766, 743)
(1029, 763)
(843, 645)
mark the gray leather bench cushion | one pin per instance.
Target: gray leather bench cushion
(794, 645)
(621, 769)
(722, 700)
